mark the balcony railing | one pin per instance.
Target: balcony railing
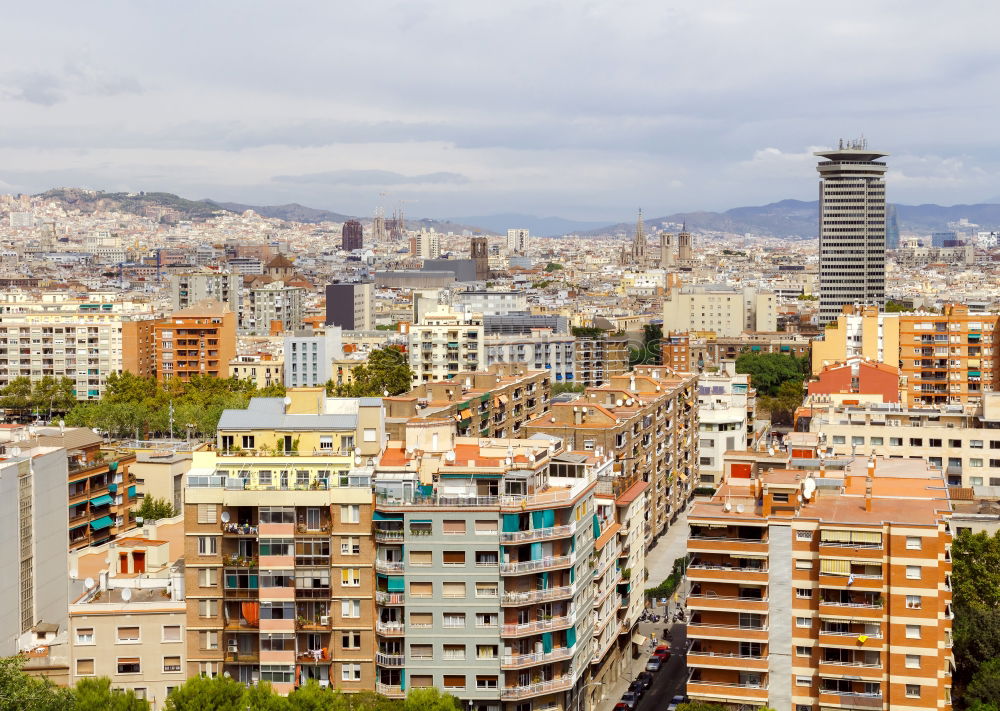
(865, 605)
(537, 626)
(523, 660)
(730, 568)
(389, 598)
(522, 598)
(386, 566)
(538, 688)
(390, 690)
(389, 660)
(537, 534)
(530, 566)
(389, 628)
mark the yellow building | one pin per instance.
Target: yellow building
(862, 333)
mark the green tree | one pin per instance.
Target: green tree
(649, 353)
(700, 706)
(51, 394)
(202, 693)
(313, 697)
(984, 687)
(553, 267)
(16, 396)
(21, 692)
(976, 604)
(261, 697)
(97, 695)
(769, 370)
(386, 370)
(153, 509)
(782, 405)
(892, 306)
(430, 699)
(560, 388)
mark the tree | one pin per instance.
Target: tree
(985, 685)
(27, 693)
(386, 370)
(97, 695)
(892, 306)
(430, 699)
(649, 353)
(560, 388)
(553, 267)
(51, 394)
(261, 697)
(202, 693)
(16, 395)
(976, 603)
(700, 706)
(769, 370)
(153, 509)
(313, 697)
(782, 405)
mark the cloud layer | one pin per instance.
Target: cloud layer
(581, 108)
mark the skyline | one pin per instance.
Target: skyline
(465, 110)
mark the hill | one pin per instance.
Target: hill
(89, 201)
(539, 226)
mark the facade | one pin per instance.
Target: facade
(857, 379)
(712, 351)
(483, 581)
(541, 349)
(726, 415)
(648, 421)
(517, 240)
(426, 244)
(279, 551)
(852, 230)
(444, 344)
(188, 288)
(352, 236)
(491, 303)
(200, 340)
(821, 583)
(351, 305)
(262, 369)
(599, 358)
(102, 496)
(492, 403)
(275, 308)
(479, 253)
(724, 310)
(676, 351)
(309, 359)
(84, 341)
(34, 557)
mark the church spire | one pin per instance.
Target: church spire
(640, 231)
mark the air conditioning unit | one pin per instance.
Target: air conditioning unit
(324, 619)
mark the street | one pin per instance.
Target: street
(671, 677)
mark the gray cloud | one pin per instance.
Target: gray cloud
(370, 177)
(47, 88)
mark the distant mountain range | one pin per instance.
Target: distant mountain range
(791, 219)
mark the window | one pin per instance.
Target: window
(420, 558)
(248, 442)
(370, 435)
(420, 681)
(350, 608)
(85, 667)
(487, 559)
(803, 681)
(454, 527)
(913, 572)
(454, 652)
(172, 633)
(140, 693)
(933, 442)
(801, 564)
(350, 513)
(490, 589)
(85, 635)
(895, 441)
(839, 439)
(804, 535)
(803, 622)
(486, 619)
(171, 664)
(857, 441)
(128, 665)
(208, 640)
(779, 498)
(912, 661)
(277, 546)
(486, 651)
(207, 545)
(913, 631)
(876, 441)
(913, 602)
(128, 635)
(803, 707)
(350, 640)
(913, 543)
(350, 672)
(326, 442)
(485, 528)
(913, 691)
(453, 558)
(206, 513)
(975, 462)
(803, 651)
(803, 592)
(208, 577)
(277, 514)
(350, 577)
(426, 619)
(916, 441)
(976, 443)
(208, 608)
(453, 589)
(350, 545)
(486, 682)
(454, 681)
(421, 589)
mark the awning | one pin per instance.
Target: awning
(638, 639)
(131, 492)
(379, 516)
(103, 522)
(503, 400)
(101, 500)
(835, 567)
(419, 520)
(682, 476)
(762, 556)
(396, 584)
(79, 525)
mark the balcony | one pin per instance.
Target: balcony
(389, 629)
(736, 633)
(537, 689)
(708, 572)
(514, 598)
(720, 660)
(727, 603)
(538, 534)
(853, 582)
(853, 610)
(719, 690)
(386, 566)
(859, 669)
(526, 660)
(533, 566)
(706, 544)
(389, 598)
(389, 660)
(393, 691)
(851, 700)
(520, 630)
(843, 639)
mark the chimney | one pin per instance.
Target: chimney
(868, 494)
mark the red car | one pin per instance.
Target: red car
(662, 651)
(621, 706)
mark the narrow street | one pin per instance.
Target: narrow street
(671, 677)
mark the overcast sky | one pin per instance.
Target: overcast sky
(585, 109)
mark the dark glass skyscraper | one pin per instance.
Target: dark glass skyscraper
(352, 236)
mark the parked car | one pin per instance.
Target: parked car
(646, 678)
(675, 702)
(662, 649)
(630, 698)
(621, 706)
(654, 664)
(637, 688)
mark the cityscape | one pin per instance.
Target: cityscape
(476, 420)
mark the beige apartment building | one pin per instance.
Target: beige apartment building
(725, 310)
(821, 584)
(262, 369)
(445, 343)
(648, 420)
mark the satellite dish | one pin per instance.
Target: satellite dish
(88, 583)
(385, 393)
(770, 451)
(127, 594)
(739, 508)
(808, 488)
(727, 506)
(357, 460)
(620, 402)
(225, 517)
(139, 520)
(799, 497)
(288, 400)
(74, 573)
(15, 451)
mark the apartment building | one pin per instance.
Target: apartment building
(279, 553)
(83, 340)
(944, 358)
(444, 344)
(262, 368)
(274, 308)
(725, 310)
(130, 625)
(492, 403)
(708, 350)
(856, 380)
(309, 357)
(103, 492)
(648, 420)
(619, 572)
(675, 351)
(541, 349)
(484, 582)
(490, 302)
(960, 441)
(598, 358)
(200, 340)
(821, 583)
(190, 288)
(351, 305)
(726, 403)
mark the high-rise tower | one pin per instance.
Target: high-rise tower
(352, 236)
(481, 256)
(851, 228)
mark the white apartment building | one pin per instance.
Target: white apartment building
(427, 244)
(445, 343)
(309, 358)
(262, 370)
(725, 413)
(726, 310)
(275, 302)
(541, 350)
(186, 290)
(490, 303)
(517, 240)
